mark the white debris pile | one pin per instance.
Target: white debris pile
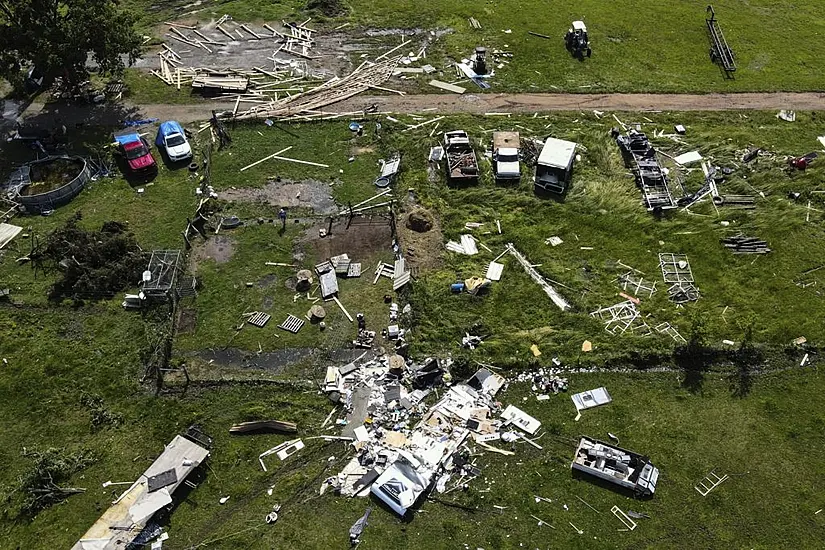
(544, 382)
(467, 246)
(398, 458)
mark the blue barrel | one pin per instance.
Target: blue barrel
(457, 288)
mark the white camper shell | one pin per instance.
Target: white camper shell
(555, 165)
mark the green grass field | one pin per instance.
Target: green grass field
(762, 428)
(639, 46)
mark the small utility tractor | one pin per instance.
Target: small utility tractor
(576, 40)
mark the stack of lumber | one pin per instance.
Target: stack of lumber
(741, 244)
(296, 40)
(308, 105)
(227, 82)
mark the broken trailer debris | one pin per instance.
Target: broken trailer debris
(131, 512)
(615, 465)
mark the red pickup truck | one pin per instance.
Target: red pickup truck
(138, 156)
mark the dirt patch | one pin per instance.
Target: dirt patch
(219, 248)
(267, 281)
(422, 251)
(419, 220)
(274, 361)
(187, 319)
(364, 238)
(312, 194)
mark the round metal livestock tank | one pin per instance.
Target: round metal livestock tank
(61, 193)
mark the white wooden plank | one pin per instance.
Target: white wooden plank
(447, 86)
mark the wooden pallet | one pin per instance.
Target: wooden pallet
(354, 270)
(292, 324)
(259, 319)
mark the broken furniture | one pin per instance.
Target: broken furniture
(636, 284)
(389, 171)
(576, 40)
(279, 426)
(640, 156)
(283, 451)
(720, 52)
(523, 421)
(328, 279)
(676, 272)
(131, 511)
(619, 466)
(621, 317)
(591, 398)
(670, 330)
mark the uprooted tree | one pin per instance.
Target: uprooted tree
(94, 264)
(57, 36)
(41, 485)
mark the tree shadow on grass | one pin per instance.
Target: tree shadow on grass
(746, 360)
(694, 362)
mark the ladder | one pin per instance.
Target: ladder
(709, 483)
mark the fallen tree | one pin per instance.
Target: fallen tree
(94, 264)
(40, 486)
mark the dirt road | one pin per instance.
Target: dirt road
(531, 103)
(468, 103)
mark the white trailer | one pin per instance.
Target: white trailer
(554, 167)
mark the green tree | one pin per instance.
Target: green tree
(57, 37)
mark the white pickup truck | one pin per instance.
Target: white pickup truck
(506, 156)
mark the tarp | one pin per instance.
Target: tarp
(167, 128)
(123, 139)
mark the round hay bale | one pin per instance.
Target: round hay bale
(304, 280)
(316, 313)
(420, 220)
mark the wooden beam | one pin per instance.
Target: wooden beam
(337, 301)
(224, 31)
(385, 54)
(266, 158)
(301, 161)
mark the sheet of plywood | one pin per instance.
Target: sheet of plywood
(7, 233)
